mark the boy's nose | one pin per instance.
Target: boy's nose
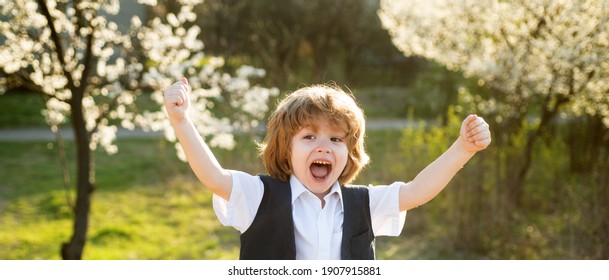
(323, 149)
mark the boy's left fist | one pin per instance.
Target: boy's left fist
(177, 100)
(475, 133)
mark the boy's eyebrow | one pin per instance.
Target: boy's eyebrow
(342, 133)
(344, 136)
(308, 127)
(340, 129)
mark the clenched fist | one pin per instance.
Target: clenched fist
(177, 101)
(475, 134)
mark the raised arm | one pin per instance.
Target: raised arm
(200, 157)
(474, 136)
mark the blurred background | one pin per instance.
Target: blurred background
(540, 191)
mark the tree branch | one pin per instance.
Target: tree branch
(88, 57)
(57, 41)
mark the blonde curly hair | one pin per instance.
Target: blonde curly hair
(307, 107)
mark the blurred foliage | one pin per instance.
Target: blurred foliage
(21, 108)
(303, 41)
(562, 215)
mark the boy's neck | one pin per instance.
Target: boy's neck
(321, 196)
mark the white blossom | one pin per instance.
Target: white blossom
(524, 49)
(171, 51)
(148, 2)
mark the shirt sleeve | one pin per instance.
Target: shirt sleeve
(245, 197)
(387, 220)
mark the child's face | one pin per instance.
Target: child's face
(319, 156)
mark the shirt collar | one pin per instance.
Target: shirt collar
(298, 188)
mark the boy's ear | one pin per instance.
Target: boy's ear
(289, 165)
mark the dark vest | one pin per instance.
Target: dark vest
(271, 234)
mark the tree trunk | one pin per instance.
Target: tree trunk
(547, 115)
(517, 185)
(73, 249)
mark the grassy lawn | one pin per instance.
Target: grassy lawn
(147, 205)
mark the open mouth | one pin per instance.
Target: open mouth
(320, 169)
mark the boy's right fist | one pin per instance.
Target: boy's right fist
(177, 101)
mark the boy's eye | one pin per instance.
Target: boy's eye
(336, 139)
(309, 137)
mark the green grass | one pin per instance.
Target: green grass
(147, 205)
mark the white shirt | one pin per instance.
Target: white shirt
(317, 231)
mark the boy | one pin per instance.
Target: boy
(314, 148)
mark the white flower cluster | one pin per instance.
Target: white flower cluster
(123, 62)
(176, 52)
(525, 49)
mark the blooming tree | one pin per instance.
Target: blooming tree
(92, 72)
(547, 53)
